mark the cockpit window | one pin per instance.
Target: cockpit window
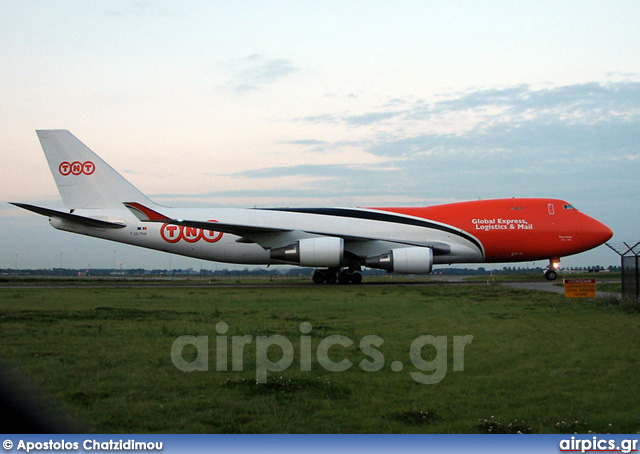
(568, 206)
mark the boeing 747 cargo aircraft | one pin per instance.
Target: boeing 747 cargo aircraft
(339, 242)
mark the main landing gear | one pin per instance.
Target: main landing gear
(551, 273)
(336, 275)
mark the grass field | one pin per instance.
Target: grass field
(537, 362)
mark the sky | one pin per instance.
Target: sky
(325, 103)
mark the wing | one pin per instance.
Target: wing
(82, 220)
(146, 214)
(264, 235)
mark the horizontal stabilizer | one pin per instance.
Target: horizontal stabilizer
(82, 220)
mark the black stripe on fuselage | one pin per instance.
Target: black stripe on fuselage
(378, 216)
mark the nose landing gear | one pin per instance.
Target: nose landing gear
(551, 273)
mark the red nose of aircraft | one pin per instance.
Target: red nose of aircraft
(595, 232)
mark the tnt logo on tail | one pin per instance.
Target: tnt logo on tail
(76, 168)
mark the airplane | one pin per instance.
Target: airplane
(337, 241)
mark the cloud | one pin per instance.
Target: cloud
(312, 142)
(324, 171)
(370, 118)
(255, 72)
(313, 145)
(586, 103)
(496, 142)
(576, 142)
(587, 117)
(323, 118)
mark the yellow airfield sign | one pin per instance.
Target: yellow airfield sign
(580, 288)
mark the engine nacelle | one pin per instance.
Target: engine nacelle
(323, 251)
(408, 260)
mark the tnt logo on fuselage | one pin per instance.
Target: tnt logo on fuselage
(76, 168)
(174, 233)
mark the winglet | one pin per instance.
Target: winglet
(145, 214)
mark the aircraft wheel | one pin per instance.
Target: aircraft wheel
(356, 278)
(318, 277)
(550, 275)
(344, 278)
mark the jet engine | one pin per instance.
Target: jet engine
(409, 260)
(323, 251)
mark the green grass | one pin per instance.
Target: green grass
(611, 287)
(536, 359)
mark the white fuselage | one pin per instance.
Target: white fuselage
(225, 247)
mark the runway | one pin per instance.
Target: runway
(100, 283)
